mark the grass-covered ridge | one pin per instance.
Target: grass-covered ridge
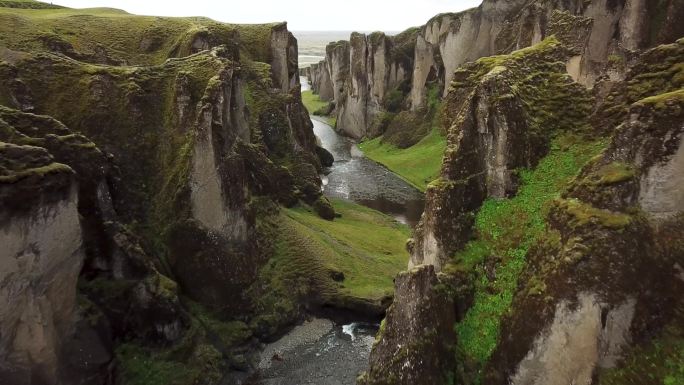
(112, 36)
(507, 229)
(367, 246)
(349, 262)
(32, 4)
(418, 164)
(312, 102)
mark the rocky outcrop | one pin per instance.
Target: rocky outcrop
(606, 36)
(321, 80)
(46, 246)
(157, 201)
(362, 73)
(605, 262)
(499, 120)
(42, 258)
(418, 321)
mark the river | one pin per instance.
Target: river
(359, 179)
(320, 351)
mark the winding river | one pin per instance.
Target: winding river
(320, 351)
(357, 178)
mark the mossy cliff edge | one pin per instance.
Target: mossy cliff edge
(145, 165)
(556, 260)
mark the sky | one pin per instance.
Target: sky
(301, 15)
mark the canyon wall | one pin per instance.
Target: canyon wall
(582, 293)
(129, 179)
(616, 31)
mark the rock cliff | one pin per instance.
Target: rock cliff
(611, 35)
(560, 266)
(608, 280)
(544, 291)
(128, 203)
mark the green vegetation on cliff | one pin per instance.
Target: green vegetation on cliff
(113, 36)
(506, 229)
(367, 246)
(412, 145)
(419, 164)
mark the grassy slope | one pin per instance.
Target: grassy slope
(313, 103)
(367, 246)
(508, 228)
(419, 164)
(133, 39)
(363, 244)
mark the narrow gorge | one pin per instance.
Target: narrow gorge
(492, 198)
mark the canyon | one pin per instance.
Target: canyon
(495, 196)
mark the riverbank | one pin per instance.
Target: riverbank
(317, 352)
(418, 165)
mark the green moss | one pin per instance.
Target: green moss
(614, 172)
(507, 228)
(660, 101)
(418, 164)
(658, 362)
(584, 214)
(144, 366)
(13, 176)
(255, 40)
(231, 333)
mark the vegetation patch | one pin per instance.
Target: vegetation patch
(316, 106)
(419, 164)
(367, 246)
(346, 262)
(506, 229)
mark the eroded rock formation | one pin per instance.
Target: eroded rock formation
(136, 185)
(611, 33)
(599, 286)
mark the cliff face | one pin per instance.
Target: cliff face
(500, 120)
(608, 280)
(362, 73)
(554, 279)
(612, 34)
(178, 147)
(44, 248)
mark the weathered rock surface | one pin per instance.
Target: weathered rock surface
(600, 284)
(607, 37)
(606, 262)
(362, 73)
(418, 323)
(500, 119)
(164, 182)
(42, 258)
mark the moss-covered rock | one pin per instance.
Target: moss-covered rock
(501, 114)
(324, 208)
(183, 132)
(416, 337)
(604, 260)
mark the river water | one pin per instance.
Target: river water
(320, 351)
(357, 178)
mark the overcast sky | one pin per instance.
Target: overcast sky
(302, 15)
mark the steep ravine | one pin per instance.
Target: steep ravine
(321, 351)
(162, 202)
